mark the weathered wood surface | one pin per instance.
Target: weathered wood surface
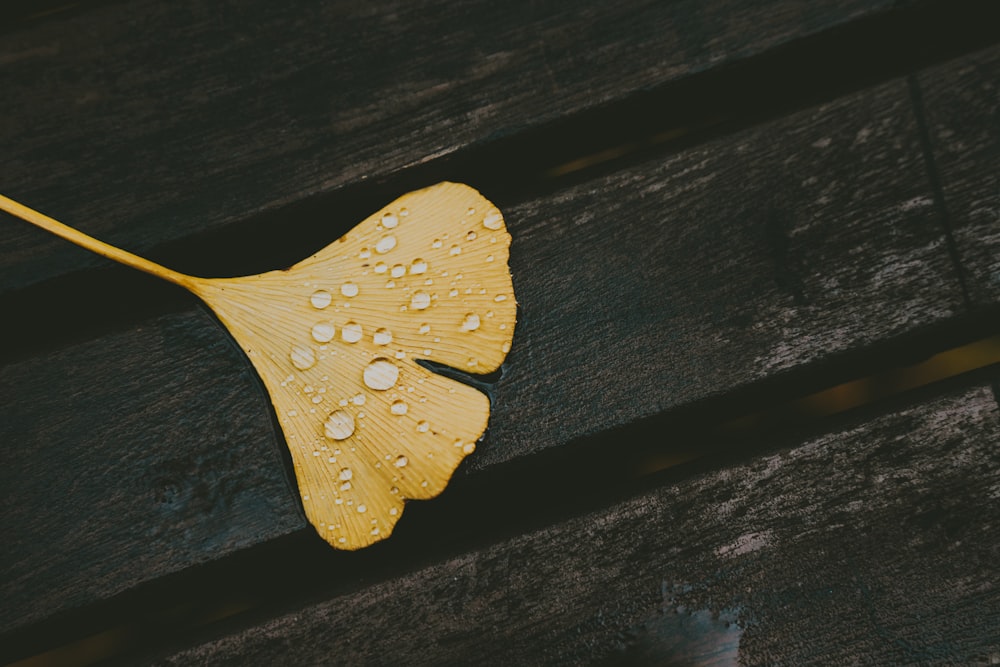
(145, 122)
(139, 445)
(962, 110)
(120, 463)
(878, 543)
(717, 267)
(662, 284)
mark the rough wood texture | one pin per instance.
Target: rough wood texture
(129, 458)
(962, 109)
(719, 266)
(662, 284)
(877, 543)
(145, 121)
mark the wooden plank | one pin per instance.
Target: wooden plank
(962, 104)
(129, 457)
(874, 544)
(718, 267)
(146, 122)
(674, 280)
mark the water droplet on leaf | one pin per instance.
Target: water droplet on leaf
(323, 332)
(303, 357)
(320, 299)
(351, 333)
(420, 300)
(493, 220)
(471, 322)
(339, 425)
(381, 374)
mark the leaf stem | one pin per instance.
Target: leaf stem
(92, 244)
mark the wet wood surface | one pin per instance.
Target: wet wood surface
(144, 122)
(877, 540)
(718, 267)
(715, 268)
(962, 106)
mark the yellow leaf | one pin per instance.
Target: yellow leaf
(336, 337)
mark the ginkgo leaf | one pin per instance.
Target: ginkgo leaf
(336, 337)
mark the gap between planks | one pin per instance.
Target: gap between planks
(592, 485)
(531, 163)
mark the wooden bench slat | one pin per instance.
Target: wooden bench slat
(674, 280)
(720, 266)
(961, 104)
(128, 458)
(145, 122)
(875, 543)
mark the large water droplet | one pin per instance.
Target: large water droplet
(471, 236)
(320, 299)
(471, 322)
(389, 221)
(505, 347)
(362, 508)
(401, 461)
(420, 300)
(381, 374)
(351, 333)
(493, 220)
(385, 244)
(323, 332)
(398, 271)
(423, 427)
(339, 425)
(382, 337)
(455, 250)
(381, 267)
(418, 266)
(345, 474)
(424, 328)
(436, 244)
(349, 289)
(365, 253)
(469, 447)
(399, 408)
(303, 357)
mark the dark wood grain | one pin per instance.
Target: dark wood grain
(720, 266)
(129, 458)
(962, 107)
(674, 280)
(874, 544)
(144, 122)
